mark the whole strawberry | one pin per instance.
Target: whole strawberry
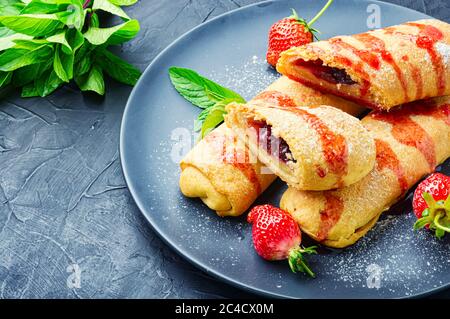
(276, 236)
(431, 204)
(290, 32)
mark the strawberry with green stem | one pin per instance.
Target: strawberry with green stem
(431, 204)
(276, 236)
(291, 32)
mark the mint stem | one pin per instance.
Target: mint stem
(310, 23)
(86, 4)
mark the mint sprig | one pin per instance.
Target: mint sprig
(46, 43)
(205, 94)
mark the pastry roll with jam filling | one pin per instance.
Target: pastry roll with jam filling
(410, 143)
(381, 68)
(226, 177)
(310, 148)
(223, 173)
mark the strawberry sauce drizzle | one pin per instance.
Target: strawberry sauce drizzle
(417, 77)
(368, 57)
(276, 98)
(377, 45)
(408, 132)
(386, 158)
(334, 145)
(330, 215)
(446, 113)
(426, 39)
(239, 158)
(426, 108)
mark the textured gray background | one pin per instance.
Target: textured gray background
(63, 199)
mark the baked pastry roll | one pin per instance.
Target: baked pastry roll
(381, 68)
(410, 142)
(223, 173)
(210, 172)
(310, 148)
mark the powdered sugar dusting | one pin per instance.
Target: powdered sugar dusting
(444, 51)
(249, 79)
(402, 255)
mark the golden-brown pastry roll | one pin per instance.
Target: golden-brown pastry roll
(410, 142)
(310, 148)
(223, 173)
(381, 68)
(210, 172)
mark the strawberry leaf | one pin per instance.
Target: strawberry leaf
(297, 261)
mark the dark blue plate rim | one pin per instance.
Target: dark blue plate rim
(166, 238)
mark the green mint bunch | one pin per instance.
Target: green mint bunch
(46, 43)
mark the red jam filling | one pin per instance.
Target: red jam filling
(266, 141)
(327, 73)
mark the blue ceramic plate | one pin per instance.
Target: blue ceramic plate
(391, 261)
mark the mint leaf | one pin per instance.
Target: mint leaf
(75, 39)
(5, 32)
(107, 6)
(117, 68)
(199, 90)
(84, 65)
(114, 35)
(10, 7)
(29, 44)
(205, 94)
(63, 64)
(26, 74)
(123, 2)
(32, 24)
(82, 51)
(7, 41)
(29, 90)
(92, 81)
(214, 117)
(13, 59)
(5, 78)
(47, 83)
(95, 22)
(37, 6)
(61, 39)
(74, 15)
(29, 73)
